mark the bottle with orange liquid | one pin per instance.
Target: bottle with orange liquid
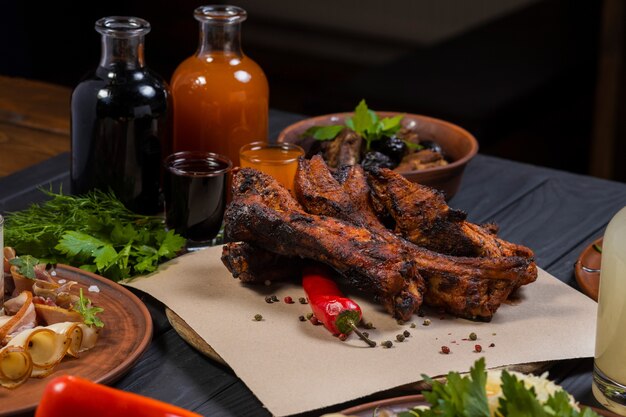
(220, 95)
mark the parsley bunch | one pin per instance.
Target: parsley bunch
(94, 232)
(365, 122)
(467, 397)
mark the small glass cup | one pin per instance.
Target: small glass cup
(195, 187)
(280, 160)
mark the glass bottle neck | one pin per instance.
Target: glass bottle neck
(220, 38)
(122, 52)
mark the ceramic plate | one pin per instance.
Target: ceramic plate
(405, 403)
(587, 269)
(127, 333)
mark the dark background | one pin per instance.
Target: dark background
(524, 82)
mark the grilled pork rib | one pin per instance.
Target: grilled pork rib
(423, 217)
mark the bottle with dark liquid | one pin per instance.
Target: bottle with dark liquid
(121, 120)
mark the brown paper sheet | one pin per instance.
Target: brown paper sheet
(294, 366)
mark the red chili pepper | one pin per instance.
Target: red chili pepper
(339, 314)
(70, 396)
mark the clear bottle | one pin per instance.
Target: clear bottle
(121, 120)
(609, 370)
(220, 95)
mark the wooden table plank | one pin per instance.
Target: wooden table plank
(35, 105)
(34, 123)
(21, 147)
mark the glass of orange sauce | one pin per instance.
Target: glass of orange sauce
(280, 160)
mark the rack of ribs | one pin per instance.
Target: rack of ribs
(334, 221)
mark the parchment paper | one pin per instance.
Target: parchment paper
(294, 366)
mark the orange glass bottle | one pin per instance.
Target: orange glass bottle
(220, 95)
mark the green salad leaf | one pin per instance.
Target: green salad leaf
(88, 311)
(25, 265)
(365, 122)
(94, 232)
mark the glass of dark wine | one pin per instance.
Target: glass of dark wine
(195, 186)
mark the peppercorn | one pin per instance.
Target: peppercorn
(309, 315)
(288, 300)
(473, 336)
(274, 299)
(478, 348)
(492, 345)
(413, 325)
(426, 322)
(268, 300)
(406, 333)
(314, 321)
(400, 337)
(366, 334)
(445, 350)
(258, 317)
(343, 336)
(387, 344)
(302, 300)
(368, 325)
(302, 318)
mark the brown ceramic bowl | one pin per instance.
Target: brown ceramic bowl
(459, 146)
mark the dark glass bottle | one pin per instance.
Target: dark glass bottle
(121, 120)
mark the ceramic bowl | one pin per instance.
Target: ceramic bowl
(458, 145)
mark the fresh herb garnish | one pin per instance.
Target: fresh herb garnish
(466, 396)
(25, 265)
(94, 232)
(324, 132)
(88, 311)
(365, 122)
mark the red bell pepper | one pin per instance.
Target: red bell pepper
(70, 396)
(339, 314)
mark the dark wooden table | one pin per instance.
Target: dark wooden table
(556, 213)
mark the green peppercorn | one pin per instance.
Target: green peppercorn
(413, 325)
(387, 343)
(426, 322)
(400, 338)
(302, 300)
(368, 325)
(309, 315)
(274, 298)
(473, 336)
(258, 317)
(400, 322)
(406, 333)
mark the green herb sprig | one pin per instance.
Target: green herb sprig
(94, 232)
(365, 122)
(88, 311)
